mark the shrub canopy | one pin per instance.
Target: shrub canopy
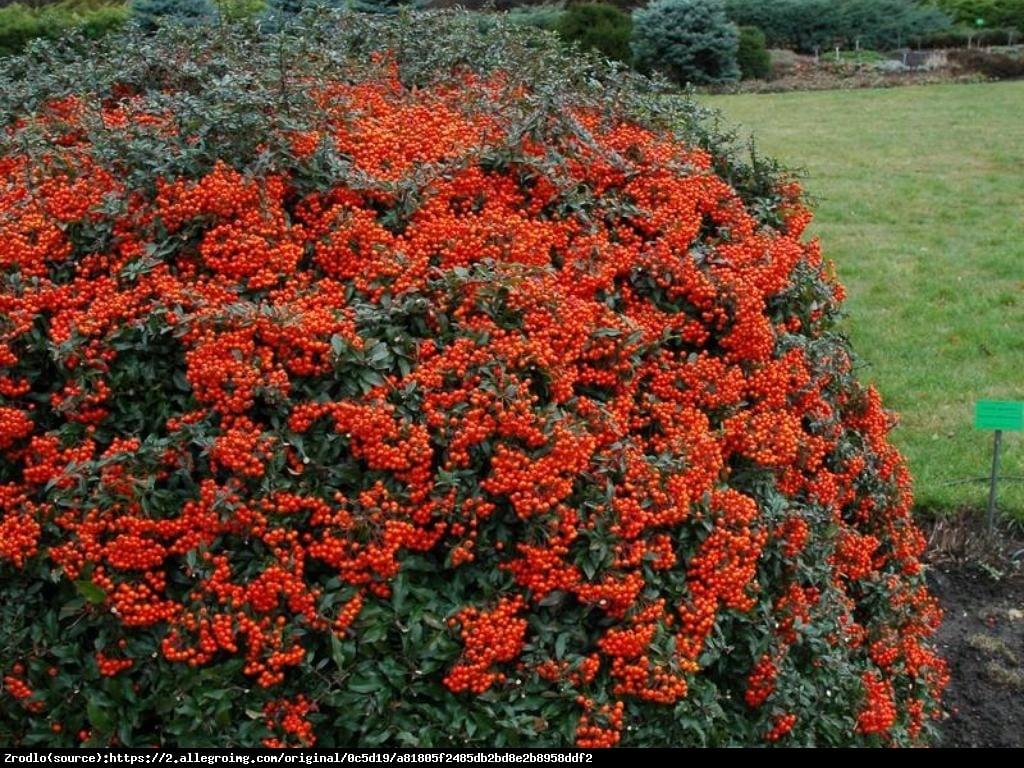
(752, 55)
(993, 13)
(151, 14)
(21, 23)
(598, 26)
(688, 41)
(806, 25)
(427, 397)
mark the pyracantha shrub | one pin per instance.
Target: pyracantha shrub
(430, 397)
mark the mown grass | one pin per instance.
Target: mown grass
(919, 200)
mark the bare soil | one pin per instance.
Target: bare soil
(805, 73)
(979, 581)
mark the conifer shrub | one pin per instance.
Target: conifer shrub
(151, 14)
(809, 25)
(973, 37)
(752, 55)
(20, 23)
(993, 13)
(687, 41)
(598, 26)
(238, 10)
(544, 16)
(385, 383)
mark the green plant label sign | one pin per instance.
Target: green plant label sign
(999, 414)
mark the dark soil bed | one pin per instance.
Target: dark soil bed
(981, 588)
(982, 638)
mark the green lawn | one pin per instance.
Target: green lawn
(919, 200)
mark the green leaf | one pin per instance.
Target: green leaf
(337, 345)
(560, 643)
(98, 717)
(90, 591)
(337, 652)
(71, 608)
(365, 684)
(373, 634)
(432, 621)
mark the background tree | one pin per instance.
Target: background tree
(689, 41)
(151, 14)
(600, 26)
(752, 55)
(807, 25)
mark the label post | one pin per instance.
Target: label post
(997, 415)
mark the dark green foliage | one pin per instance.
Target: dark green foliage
(963, 36)
(236, 10)
(539, 16)
(807, 25)
(883, 24)
(689, 41)
(20, 23)
(752, 56)
(152, 14)
(279, 13)
(376, 6)
(993, 13)
(600, 26)
(279, 10)
(286, 8)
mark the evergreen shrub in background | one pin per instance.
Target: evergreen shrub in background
(809, 25)
(598, 26)
(151, 14)
(92, 18)
(752, 56)
(688, 41)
